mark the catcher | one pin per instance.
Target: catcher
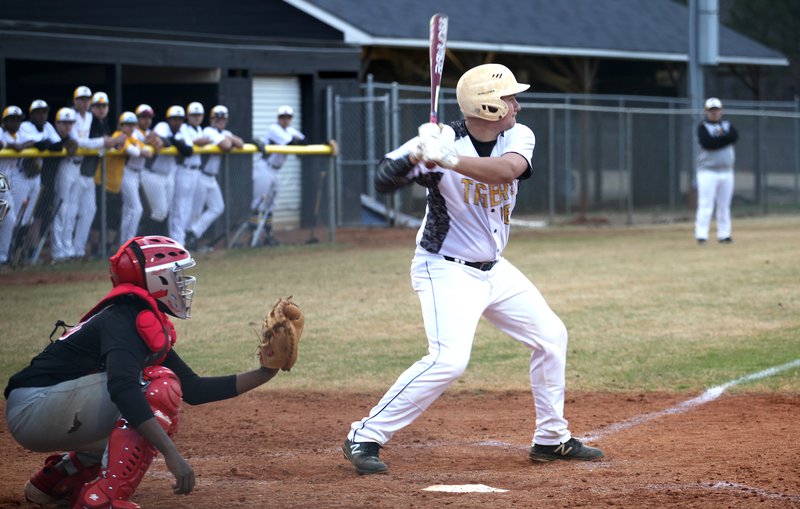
(108, 391)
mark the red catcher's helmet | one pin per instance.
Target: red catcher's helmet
(156, 264)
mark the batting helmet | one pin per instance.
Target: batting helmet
(12, 111)
(4, 188)
(100, 98)
(195, 108)
(145, 110)
(285, 111)
(479, 91)
(156, 264)
(82, 91)
(38, 104)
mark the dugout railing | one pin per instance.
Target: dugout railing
(32, 236)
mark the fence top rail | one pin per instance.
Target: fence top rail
(248, 148)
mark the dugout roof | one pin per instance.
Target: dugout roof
(621, 29)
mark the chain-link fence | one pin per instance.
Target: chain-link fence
(612, 156)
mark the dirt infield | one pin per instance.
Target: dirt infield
(281, 449)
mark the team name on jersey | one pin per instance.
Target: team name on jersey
(487, 195)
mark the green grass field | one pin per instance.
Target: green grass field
(646, 309)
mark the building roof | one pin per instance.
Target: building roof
(624, 29)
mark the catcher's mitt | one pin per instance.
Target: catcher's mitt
(280, 335)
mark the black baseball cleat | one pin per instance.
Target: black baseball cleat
(701, 242)
(572, 449)
(726, 240)
(364, 456)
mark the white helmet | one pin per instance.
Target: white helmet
(4, 188)
(176, 111)
(480, 89)
(219, 111)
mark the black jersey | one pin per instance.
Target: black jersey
(109, 342)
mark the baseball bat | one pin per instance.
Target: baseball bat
(438, 45)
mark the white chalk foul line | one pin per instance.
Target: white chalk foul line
(708, 396)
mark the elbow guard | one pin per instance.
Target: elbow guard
(391, 174)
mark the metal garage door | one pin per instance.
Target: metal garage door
(268, 94)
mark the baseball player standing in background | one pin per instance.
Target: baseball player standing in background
(715, 162)
(136, 152)
(188, 173)
(208, 203)
(12, 168)
(471, 169)
(265, 169)
(3, 194)
(158, 182)
(66, 176)
(117, 377)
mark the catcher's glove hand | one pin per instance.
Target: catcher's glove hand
(280, 335)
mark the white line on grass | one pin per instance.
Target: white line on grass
(708, 396)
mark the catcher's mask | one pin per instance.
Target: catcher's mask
(156, 263)
(480, 90)
(4, 188)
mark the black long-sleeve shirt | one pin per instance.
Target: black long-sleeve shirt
(109, 342)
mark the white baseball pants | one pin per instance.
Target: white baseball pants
(453, 298)
(158, 189)
(714, 191)
(265, 187)
(66, 188)
(131, 204)
(182, 201)
(208, 204)
(84, 203)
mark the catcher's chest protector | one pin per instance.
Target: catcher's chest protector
(153, 326)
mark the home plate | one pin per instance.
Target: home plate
(464, 488)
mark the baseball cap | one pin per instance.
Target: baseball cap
(38, 104)
(285, 110)
(195, 108)
(219, 111)
(12, 111)
(65, 115)
(145, 110)
(100, 98)
(128, 117)
(82, 91)
(713, 102)
(175, 111)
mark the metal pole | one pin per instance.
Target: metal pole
(621, 151)
(396, 198)
(797, 152)
(671, 158)
(551, 170)
(629, 164)
(226, 181)
(103, 210)
(333, 173)
(369, 139)
(567, 160)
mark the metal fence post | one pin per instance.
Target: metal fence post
(629, 163)
(226, 182)
(797, 152)
(551, 163)
(369, 138)
(103, 209)
(396, 198)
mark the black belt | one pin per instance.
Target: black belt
(484, 266)
(190, 167)
(209, 174)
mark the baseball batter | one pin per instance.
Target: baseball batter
(471, 169)
(109, 390)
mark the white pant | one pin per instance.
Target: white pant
(714, 190)
(265, 187)
(76, 415)
(208, 204)
(66, 188)
(453, 298)
(84, 204)
(24, 192)
(158, 189)
(180, 215)
(131, 204)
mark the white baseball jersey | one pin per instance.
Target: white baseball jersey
(189, 134)
(466, 219)
(216, 136)
(48, 132)
(165, 164)
(277, 135)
